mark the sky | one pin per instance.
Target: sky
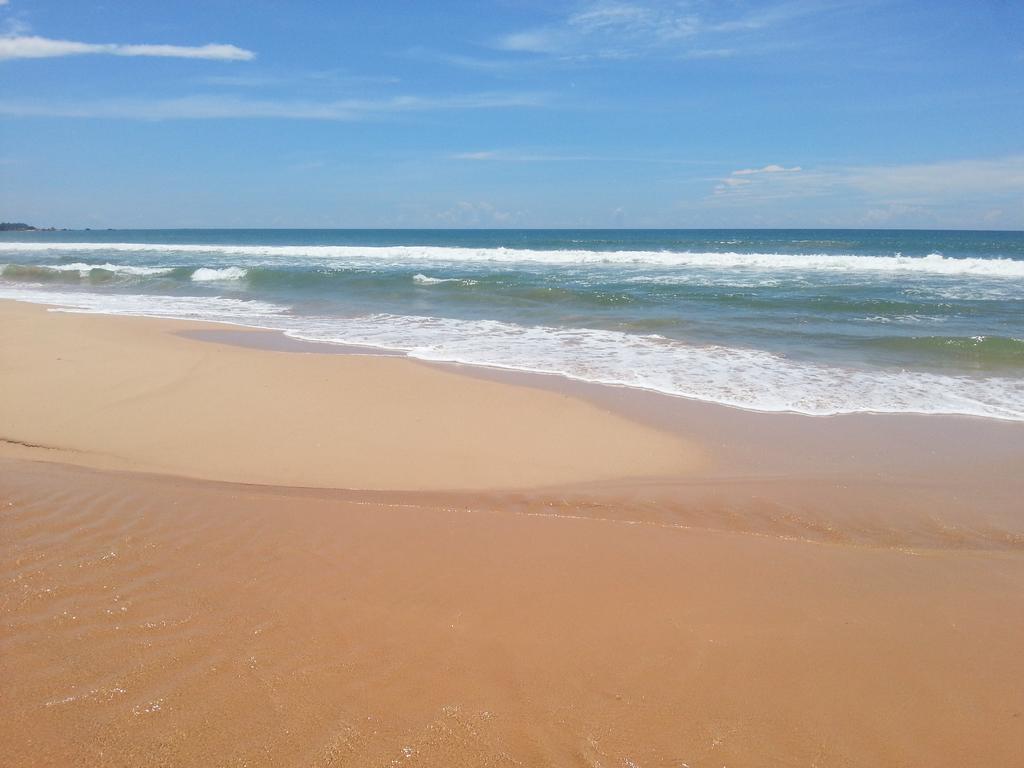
(513, 113)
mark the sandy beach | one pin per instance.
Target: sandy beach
(592, 384)
(132, 394)
(217, 553)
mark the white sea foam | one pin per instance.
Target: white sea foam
(208, 274)
(718, 280)
(745, 378)
(120, 269)
(424, 280)
(988, 290)
(932, 264)
(885, 320)
(215, 308)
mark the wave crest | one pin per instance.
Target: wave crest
(82, 269)
(932, 264)
(421, 279)
(209, 274)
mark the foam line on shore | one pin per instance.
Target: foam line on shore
(743, 378)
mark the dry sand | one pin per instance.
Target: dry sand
(129, 393)
(824, 606)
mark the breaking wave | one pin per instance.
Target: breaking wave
(208, 274)
(262, 255)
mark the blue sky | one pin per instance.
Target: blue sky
(513, 113)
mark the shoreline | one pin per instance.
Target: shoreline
(698, 376)
(275, 340)
(272, 339)
(951, 475)
(624, 453)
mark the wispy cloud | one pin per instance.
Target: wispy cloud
(564, 154)
(243, 81)
(495, 65)
(35, 47)
(924, 181)
(605, 29)
(767, 169)
(485, 155)
(710, 53)
(616, 29)
(741, 178)
(894, 189)
(326, 77)
(208, 107)
(517, 156)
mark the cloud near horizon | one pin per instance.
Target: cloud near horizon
(35, 47)
(919, 188)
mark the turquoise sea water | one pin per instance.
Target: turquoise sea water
(817, 321)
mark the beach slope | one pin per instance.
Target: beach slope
(130, 393)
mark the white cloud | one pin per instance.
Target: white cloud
(889, 192)
(35, 47)
(244, 81)
(907, 182)
(521, 156)
(742, 178)
(488, 155)
(665, 24)
(710, 53)
(767, 169)
(209, 107)
(605, 29)
(482, 64)
(536, 41)
(325, 78)
(611, 16)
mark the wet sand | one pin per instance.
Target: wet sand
(153, 621)
(783, 591)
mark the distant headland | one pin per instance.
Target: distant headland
(17, 226)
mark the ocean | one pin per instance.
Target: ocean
(818, 322)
